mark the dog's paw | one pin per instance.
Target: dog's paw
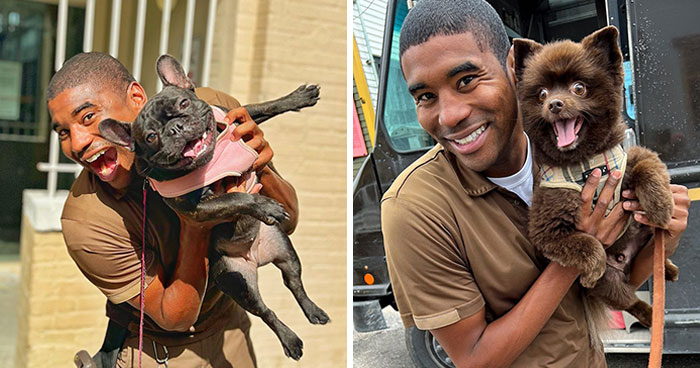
(642, 312)
(270, 211)
(592, 267)
(657, 202)
(293, 347)
(671, 271)
(316, 315)
(305, 96)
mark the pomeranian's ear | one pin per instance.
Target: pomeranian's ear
(117, 132)
(604, 42)
(522, 50)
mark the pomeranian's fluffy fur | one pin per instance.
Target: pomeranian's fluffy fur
(570, 96)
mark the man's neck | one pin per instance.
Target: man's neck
(511, 160)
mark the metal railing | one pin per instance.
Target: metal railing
(53, 167)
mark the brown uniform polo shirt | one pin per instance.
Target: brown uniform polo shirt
(102, 229)
(455, 242)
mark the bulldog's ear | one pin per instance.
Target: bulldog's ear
(522, 50)
(117, 132)
(171, 73)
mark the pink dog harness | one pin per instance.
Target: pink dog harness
(230, 159)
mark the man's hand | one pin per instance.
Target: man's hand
(679, 217)
(251, 134)
(593, 221)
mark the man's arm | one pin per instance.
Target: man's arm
(472, 342)
(174, 303)
(274, 186)
(643, 262)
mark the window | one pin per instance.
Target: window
(399, 113)
(27, 37)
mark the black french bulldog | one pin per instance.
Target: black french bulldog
(163, 132)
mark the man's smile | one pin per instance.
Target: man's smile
(104, 162)
(469, 141)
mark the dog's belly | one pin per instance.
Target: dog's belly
(263, 249)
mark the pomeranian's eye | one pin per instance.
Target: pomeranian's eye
(578, 88)
(542, 94)
(151, 137)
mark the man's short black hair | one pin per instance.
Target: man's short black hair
(100, 70)
(449, 17)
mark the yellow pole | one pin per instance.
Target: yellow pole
(361, 82)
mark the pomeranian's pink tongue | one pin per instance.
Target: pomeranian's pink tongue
(565, 132)
(192, 148)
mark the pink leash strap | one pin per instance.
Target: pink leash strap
(142, 297)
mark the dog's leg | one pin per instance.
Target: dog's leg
(650, 180)
(277, 247)
(581, 251)
(304, 96)
(641, 310)
(671, 271)
(231, 205)
(238, 278)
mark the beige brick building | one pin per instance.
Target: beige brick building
(262, 50)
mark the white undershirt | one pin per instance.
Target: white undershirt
(519, 183)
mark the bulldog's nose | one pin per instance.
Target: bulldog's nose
(555, 106)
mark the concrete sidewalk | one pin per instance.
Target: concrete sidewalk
(9, 289)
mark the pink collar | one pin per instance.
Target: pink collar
(230, 159)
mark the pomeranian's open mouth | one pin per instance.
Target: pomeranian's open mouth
(566, 131)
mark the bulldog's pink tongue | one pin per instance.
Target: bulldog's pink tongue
(192, 148)
(565, 130)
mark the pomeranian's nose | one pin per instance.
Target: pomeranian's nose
(555, 106)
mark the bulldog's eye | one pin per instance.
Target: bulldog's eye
(542, 94)
(578, 88)
(184, 103)
(151, 137)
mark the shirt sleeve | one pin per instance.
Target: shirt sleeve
(218, 98)
(109, 260)
(431, 280)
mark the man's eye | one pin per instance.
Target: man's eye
(63, 133)
(465, 81)
(88, 117)
(424, 97)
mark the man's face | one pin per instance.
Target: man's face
(76, 114)
(464, 99)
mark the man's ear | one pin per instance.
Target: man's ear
(117, 132)
(522, 50)
(171, 73)
(136, 96)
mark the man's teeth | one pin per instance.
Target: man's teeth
(95, 156)
(471, 137)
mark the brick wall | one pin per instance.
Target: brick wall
(274, 46)
(59, 311)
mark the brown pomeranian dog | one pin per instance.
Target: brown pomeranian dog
(570, 97)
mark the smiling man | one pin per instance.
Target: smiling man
(455, 221)
(188, 322)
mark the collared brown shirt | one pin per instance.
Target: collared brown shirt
(102, 229)
(455, 242)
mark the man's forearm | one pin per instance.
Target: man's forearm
(182, 297)
(275, 187)
(504, 339)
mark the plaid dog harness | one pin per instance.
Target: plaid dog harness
(575, 176)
